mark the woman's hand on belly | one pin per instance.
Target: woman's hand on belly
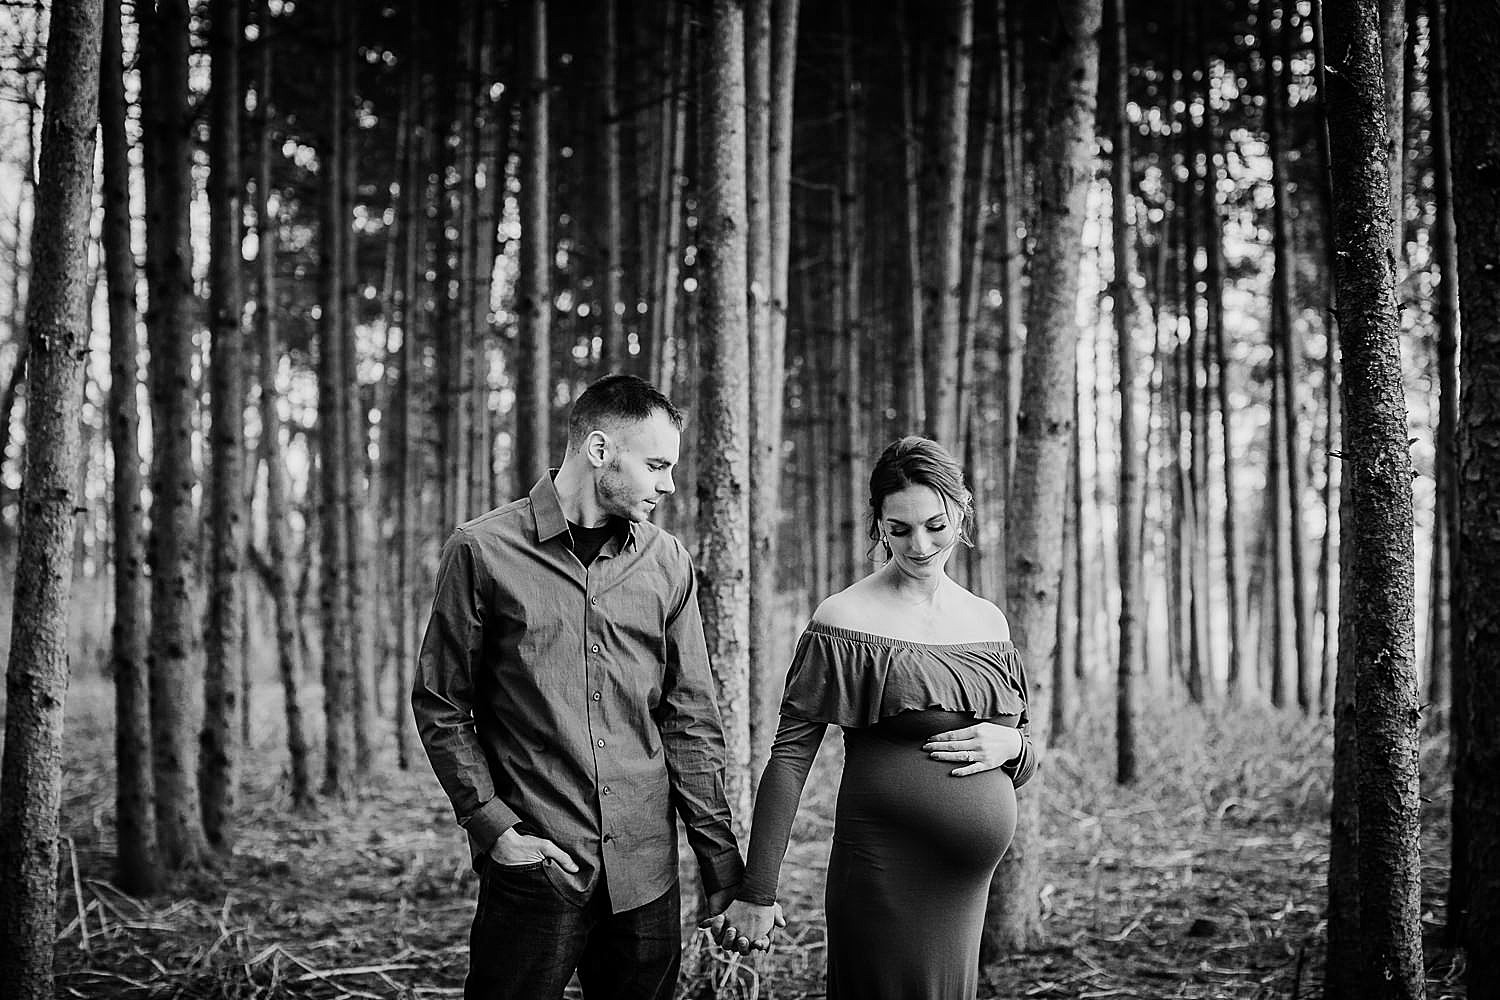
(981, 747)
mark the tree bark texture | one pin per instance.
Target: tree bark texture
(534, 287)
(1474, 37)
(223, 636)
(1035, 512)
(1379, 532)
(724, 401)
(136, 869)
(174, 525)
(37, 674)
(943, 360)
(1131, 460)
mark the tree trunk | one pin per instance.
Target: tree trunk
(724, 404)
(911, 388)
(1130, 460)
(219, 748)
(1379, 531)
(408, 456)
(1034, 524)
(766, 381)
(289, 661)
(850, 232)
(1393, 59)
(613, 355)
(37, 675)
(534, 285)
(1284, 347)
(174, 526)
(943, 360)
(135, 823)
(1474, 37)
(1447, 636)
(339, 696)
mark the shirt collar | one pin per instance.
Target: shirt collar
(546, 510)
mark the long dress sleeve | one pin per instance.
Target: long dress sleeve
(776, 800)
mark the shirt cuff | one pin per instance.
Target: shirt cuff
(721, 872)
(485, 824)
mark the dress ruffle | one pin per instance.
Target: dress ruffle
(849, 678)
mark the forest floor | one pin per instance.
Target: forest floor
(1206, 879)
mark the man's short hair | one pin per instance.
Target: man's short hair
(616, 399)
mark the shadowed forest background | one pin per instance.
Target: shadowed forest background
(1202, 293)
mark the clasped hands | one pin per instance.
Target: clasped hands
(744, 927)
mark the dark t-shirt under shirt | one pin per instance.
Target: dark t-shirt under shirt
(586, 542)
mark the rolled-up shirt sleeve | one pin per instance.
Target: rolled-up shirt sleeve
(443, 695)
(693, 739)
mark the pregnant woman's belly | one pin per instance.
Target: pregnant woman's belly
(893, 792)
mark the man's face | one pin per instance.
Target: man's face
(637, 470)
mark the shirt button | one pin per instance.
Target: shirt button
(597, 695)
(605, 790)
(593, 601)
(598, 743)
(596, 647)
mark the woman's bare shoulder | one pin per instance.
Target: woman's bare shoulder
(849, 608)
(988, 617)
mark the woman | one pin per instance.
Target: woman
(921, 675)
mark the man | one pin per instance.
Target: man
(564, 697)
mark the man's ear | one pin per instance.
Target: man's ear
(597, 447)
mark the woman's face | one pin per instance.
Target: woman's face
(921, 528)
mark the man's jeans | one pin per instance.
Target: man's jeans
(527, 941)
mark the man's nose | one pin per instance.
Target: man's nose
(666, 486)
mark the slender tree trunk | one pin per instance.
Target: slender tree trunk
(1379, 531)
(766, 379)
(912, 389)
(174, 526)
(1473, 38)
(1130, 461)
(1034, 523)
(136, 867)
(1393, 58)
(1447, 640)
(534, 287)
(1286, 367)
(289, 661)
(723, 519)
(491, 168)
(408, 455)
(943, 361)
(1009, 191)
(851, 333)
(614, 354)
(37, 674)
(217, 776)
(1070, 608)
(664, 343)
(340, 705)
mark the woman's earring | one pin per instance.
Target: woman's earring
(887, 546)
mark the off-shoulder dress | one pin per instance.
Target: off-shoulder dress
(914, 848)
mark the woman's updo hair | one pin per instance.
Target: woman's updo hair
(919, 461)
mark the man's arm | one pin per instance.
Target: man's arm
(693, 739)
(442, 696)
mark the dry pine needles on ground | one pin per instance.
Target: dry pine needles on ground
(1204, 880)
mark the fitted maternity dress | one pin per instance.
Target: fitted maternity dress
(914, 848)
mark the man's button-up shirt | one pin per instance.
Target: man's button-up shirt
(576, 702)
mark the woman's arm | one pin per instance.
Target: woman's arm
(776, 800)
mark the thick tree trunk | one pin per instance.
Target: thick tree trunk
(724, 404)
(174, 527)
(1034, 522)
(534, 286)
(37, 674)
(1131, 459)
(1474, 37)
(943, 358)
(136, 867)
(289, 661)
(217, 776)
(1379, 531)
